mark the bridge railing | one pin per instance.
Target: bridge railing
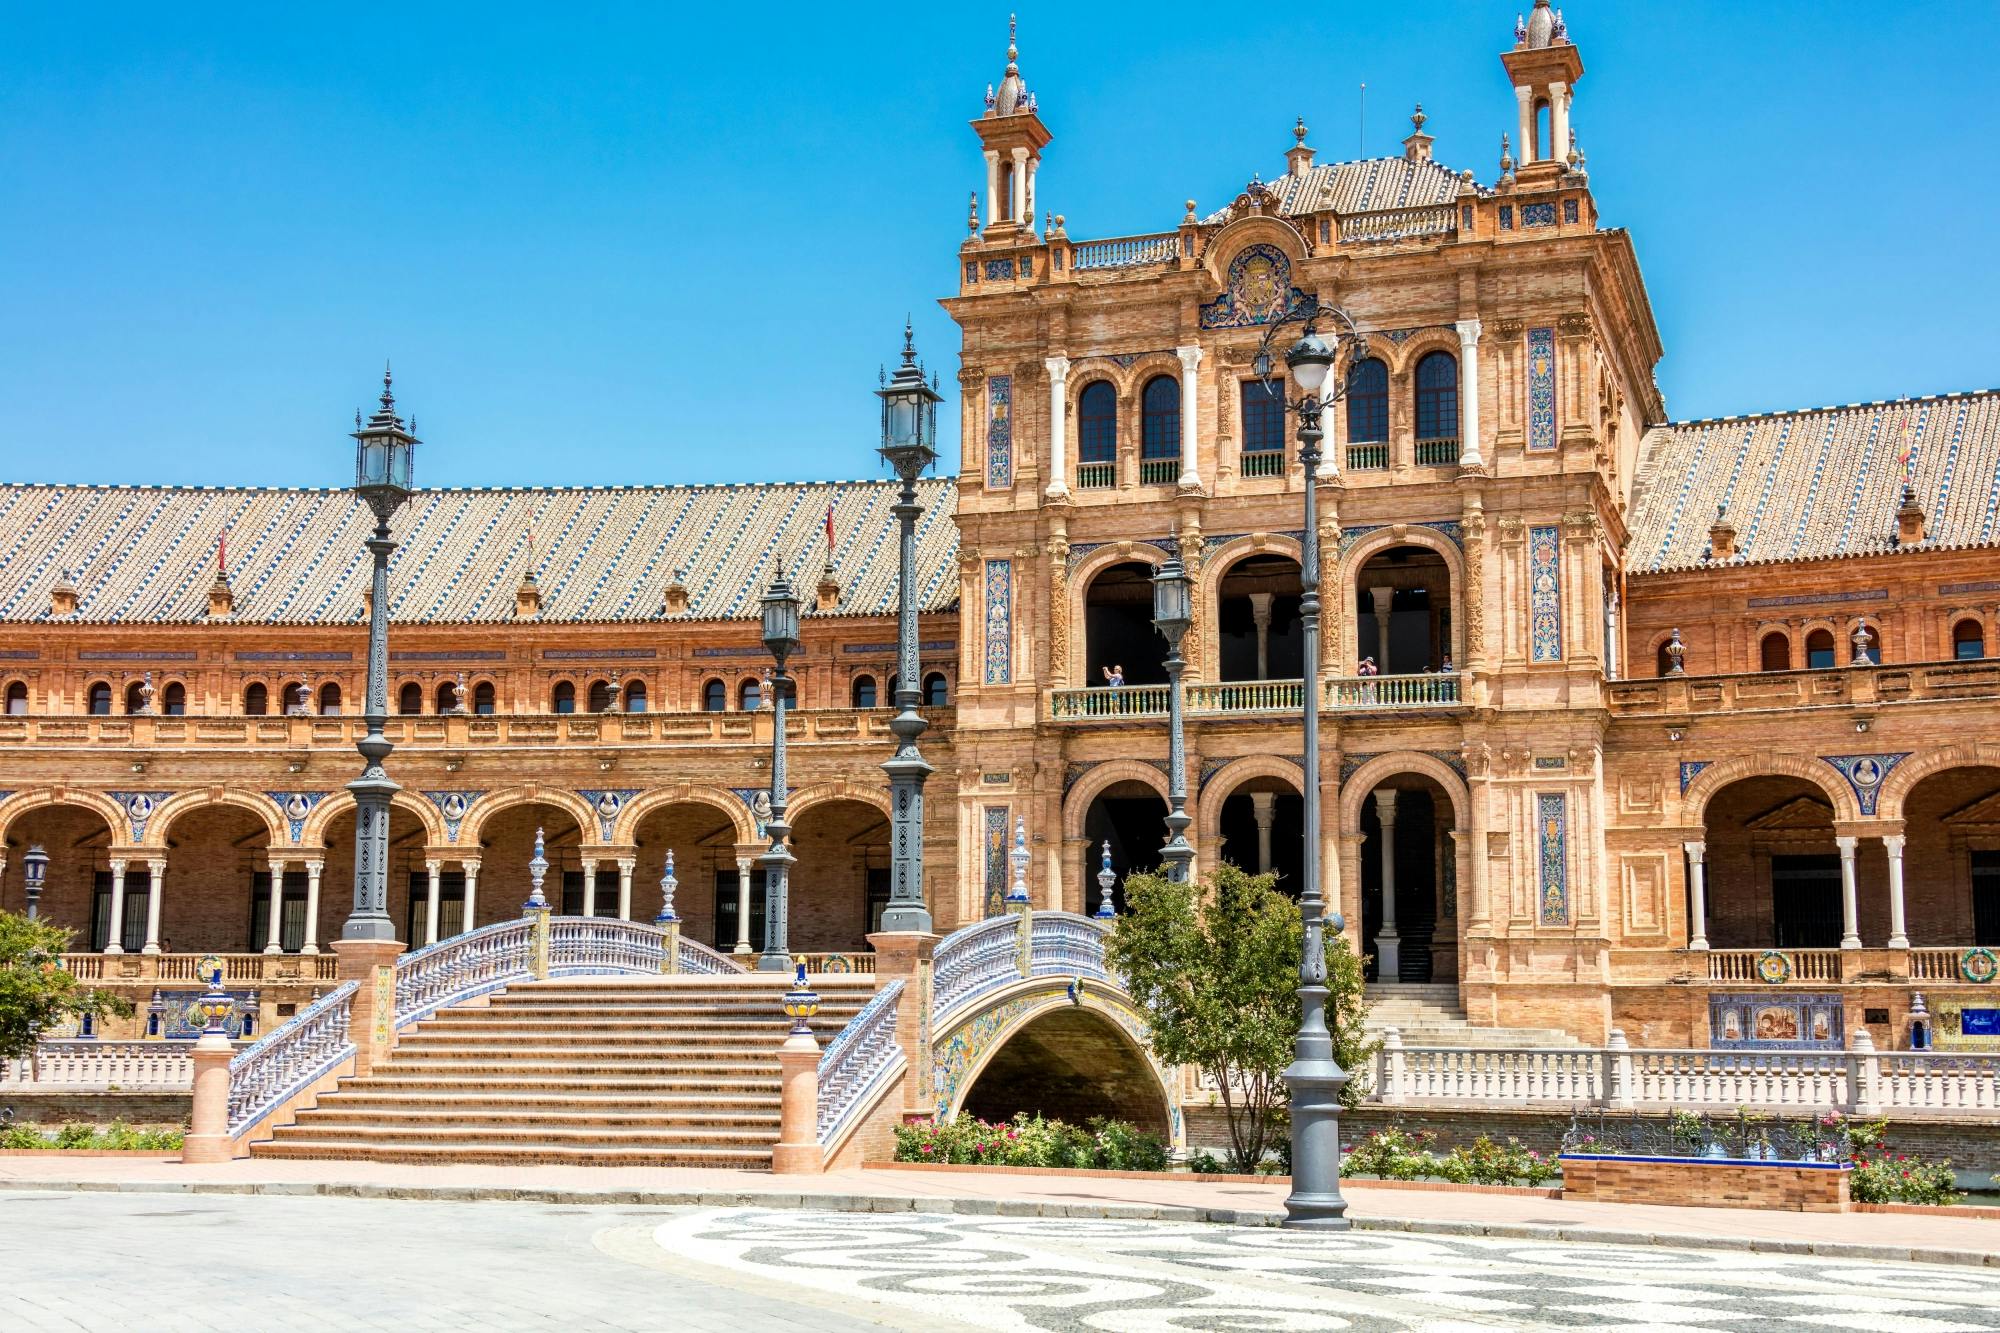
(1066, 944)
(858, 1063)
(311, 1045)
(1001, 950)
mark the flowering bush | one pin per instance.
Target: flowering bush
(1893, 1178)
(1396, 1154)
(1392, 1154)
(1111, 1145)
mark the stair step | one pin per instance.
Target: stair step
(529, 1134)
(752, 1159)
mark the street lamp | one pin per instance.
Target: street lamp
(35, 866)
(384, 457)
(1173, 611)
(909, 445)
(781, 636)
(1314, 1077)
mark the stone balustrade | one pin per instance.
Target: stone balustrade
(101, 1066)
(1126, 251)
(1399, 224)
(1252, 698)
(858, 1064)
(260, 968)
(1846, 686)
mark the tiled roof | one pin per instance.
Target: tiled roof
(1361, 187)
(1818, 483)
(147, 554)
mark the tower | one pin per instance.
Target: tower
(1013, 136)
(1544, 67)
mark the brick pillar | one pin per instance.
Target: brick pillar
(208, 1123)
(371, 964)
(907, 958)
(797, 1151)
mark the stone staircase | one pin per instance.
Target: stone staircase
(597, 1071)
(1429, 1015)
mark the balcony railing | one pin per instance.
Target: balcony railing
(1740, 965)
(1362, 693)
(1159, 471)
(1119, 702)
(293, 968)
(1826, 687)
(1246, 696)
(1437, 453)
(1367, 457)
(1264, 462)
(1250, 698)
(1399, 224)
(1127, 251)
(1096, 476)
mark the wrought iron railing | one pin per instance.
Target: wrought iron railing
(859, 1061)
(1361, 693)
(974, 960)
(308, 1047)
(1437, 453)
(1263, 463)
(1367, 457)
(1127, 251)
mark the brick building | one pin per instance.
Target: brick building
(1683, 728)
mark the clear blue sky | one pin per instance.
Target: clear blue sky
(672, 243)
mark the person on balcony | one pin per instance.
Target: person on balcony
(1114, 676)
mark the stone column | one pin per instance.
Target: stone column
(469, 918)
(797, 1151)
(589, 888)
(1058, 368)
(1190, 478)
(625, 868)
(311, 942)
(1850, 934)
(157, 870)
(1261, 804)
(992, 186)
(743, 864)
(433, 869)
(1697, 895)
(274, 941)
(1388, 943)
(1525, 100)
(1021, 186)
(1260, 612)
(114, 940)
(1899, 936)
(207, 1139)
(1468, 393)
(1383, 596)
(1558, 121)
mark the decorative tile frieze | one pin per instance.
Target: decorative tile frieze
(1552, 855)
(1545, 594)
(999, 656)
(999, 432)
(452, 805)
(138, 807)
(1541, 389)
(1865, 774)
(993, 842)
(1690, 770)
(1257, 290)
(296, 806)
(607, 804)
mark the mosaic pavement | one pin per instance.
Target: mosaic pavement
(1146, 1277)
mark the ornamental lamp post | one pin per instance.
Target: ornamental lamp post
(35, 867)
(909, 445)
(1173, 612)
(385, 456)
(781, 636)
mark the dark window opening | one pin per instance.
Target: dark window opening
(1819, 649)
(1968, 640)
(863, 692)
(410, 699)
(726, 932)
(714, 697)
(256, 700)
(937, 693)
(1368, 402)
(1437, 397)
(563, 700)
(1805, 901)
(1775, 653)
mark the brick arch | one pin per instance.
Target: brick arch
(1215, 565)
(1225, 780)
(1814, 772)
(1356, 789)
(625, 830)
(493, 802)
(21, 802)
(1402, 360)
(313, 833)
(1344, 585)
(1076, 805)
(823, 793)
(1080, 579)
(1241, 234)
(169, 811)
(1904, 777)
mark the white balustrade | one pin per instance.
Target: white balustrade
(1933, 1081)
(1246, 696)
(1397, 224)
(102, 1066)
(291, 1059)
(701, 960)
(859, 1062)
(461, 967)
(969, 962)
(1119, 701)
(1127, 251)
(1065, 944)
(1935, 964)
(1742, 965)
(1360, 693)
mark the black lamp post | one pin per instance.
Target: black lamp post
(384, 457)
(781, 636)
(35, 868)
(909, 445)
(1314, 1077)
(1173, 612)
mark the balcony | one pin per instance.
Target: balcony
(1363, 694)
(1096, 476)
(1368, 457)
(1159, 471)
(1126, 252)
(1826, 687)
(1264, 463)
(1399, 224)
(1255, 698)
(185, 968)
(1437, 453)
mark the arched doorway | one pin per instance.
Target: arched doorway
(76, 891)
(1402, 612)
(1771, 867)
(408, 880)
(841, 881)
(1951, 860)
(217, 891)
(703, 841)
(1409, 881)
(1118, 626)
(1257, 633)
(1070, 1064)
(1129, 817)
(507, 845)
(1262, 829)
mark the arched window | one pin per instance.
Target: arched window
(1097, 435)
(410, 699)
(1437, 400)
(750, 695)
(482, 698)
(17, 698)
(1775, 652)
(174, 699)
(863, 691)
(562, 699)
(635, 696)
(329, 699)
(1368, 402)
(1819, 649)
(937, 693)
(1968, 640)
(1160, 430)
(600, 696)
(256, 699)
(714, 696)
(1263, 428)
(134, 698)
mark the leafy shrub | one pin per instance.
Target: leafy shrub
(1392, 1154)
(116, 1137)
(1488, 1163)
(1892, 1178)
(1124, 1147)
(1205, 1163)
(1112, 1145)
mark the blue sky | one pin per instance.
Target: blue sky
(618, 244)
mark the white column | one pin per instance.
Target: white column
(434, 870)
(274, 940)
(311, 942)
(469, 917)
(1526, 98)
(1850, 934)
(743, 864)
(1383, 596)
(1058, 368)
(158, 872)
(1021, 186)
(1190, 478)
(1262, 805)
(1612, 656)
(625, 866)
(1388, 943)
(1468, 393)
(1697, 895)
(1028, 209)
(590, 874)
(1260, 612)
(114, 941)
(992, 186)
(1899, 936)
(1559, 121)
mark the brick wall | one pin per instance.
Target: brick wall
(1796, 1189)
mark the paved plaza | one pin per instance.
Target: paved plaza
(142, 1262)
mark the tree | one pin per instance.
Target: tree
(36, 991)
(1215, 967)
